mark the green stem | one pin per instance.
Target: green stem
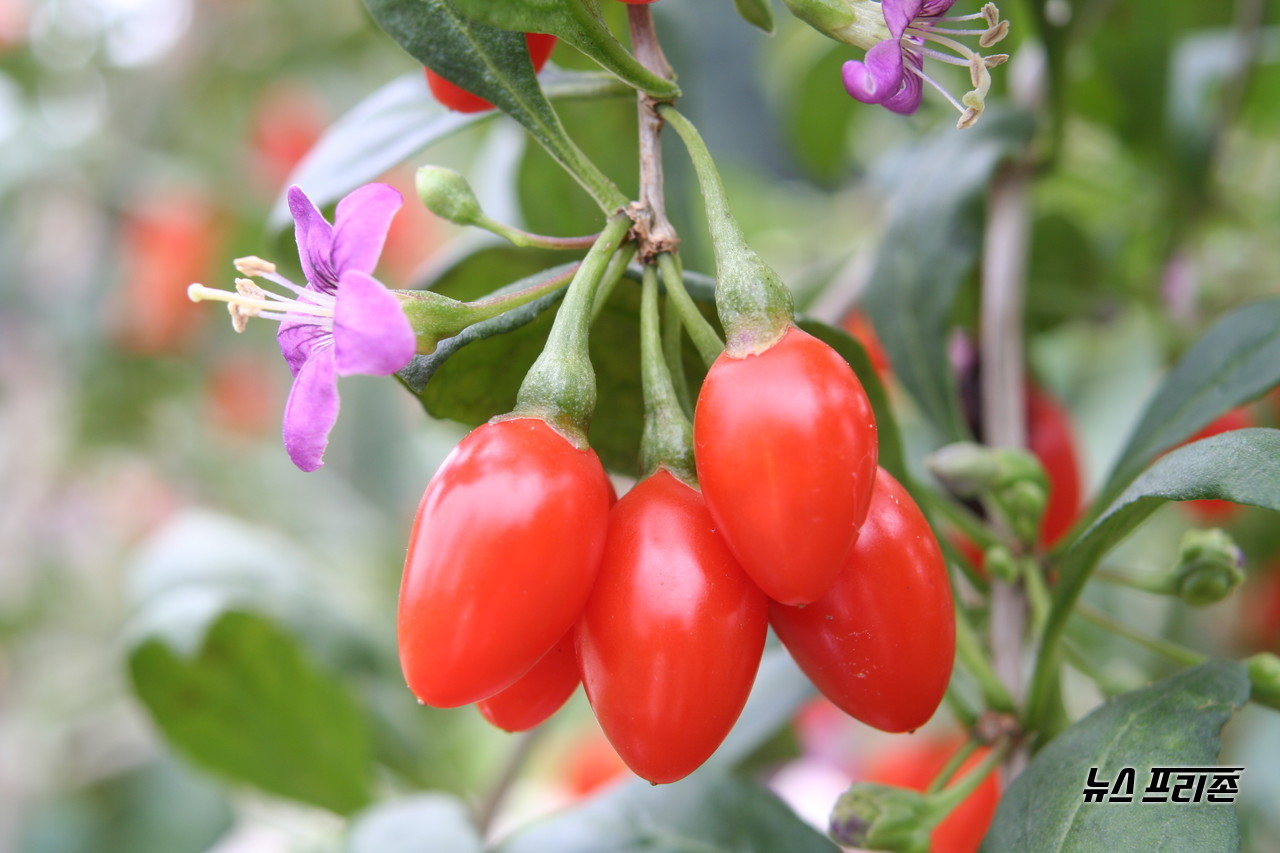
(972, 656)
(1165, 648)
(1080, 662)
(673, 353)
(435, 317)
(1037, 594)
(1154, 582)
(560, 388)
(617, 269)
(755, 306)
(953, 764)
(945, 801)
(701, 332)
(520, 237)
(668, 435)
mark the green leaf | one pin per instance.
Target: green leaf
(757, 13)
(1241, 466)
(1175, 723)
(932, 240)
(475, 375)
(890, 456)
(435, 822)
(394, 123)
(705, 813)
(577, 22)
(250, 705)
(1235, 361)
(494, 64)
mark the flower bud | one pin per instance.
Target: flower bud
(447, 194)
(881, 817)
(1000, 564)
(1208, 567)
(965, 468)
(1264, 677)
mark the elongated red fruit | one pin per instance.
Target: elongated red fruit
(502, 557)
(460, 100)
(538, 693)
(786, 455)
(881, 642)
(671, 638)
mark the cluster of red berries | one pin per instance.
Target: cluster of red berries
(524, 575)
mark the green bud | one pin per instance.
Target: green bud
(1023, 503)
(1208, 567)
(447, 194)
(965, 468)
(1264, 677)
(1001, 564)
(881, 817)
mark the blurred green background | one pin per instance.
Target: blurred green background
(157, 547)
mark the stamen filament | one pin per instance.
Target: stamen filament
(200, 293)
(934, 83)
(941, 57)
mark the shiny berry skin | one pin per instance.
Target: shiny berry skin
(538, 693)
(914, 765)
(460, 100)
(671, 637)
(785, 443)
(502, 557)
(1050, 439)
(881, 642)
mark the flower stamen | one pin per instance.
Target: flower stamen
(249, 300)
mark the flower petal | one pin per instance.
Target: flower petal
(315, 241)
(360, 227)
(898, 14)
(297, 340)
(879, 77)
(371, 333)
(312, 410)
(910, 91)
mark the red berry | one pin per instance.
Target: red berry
(786, 454)
(502, 557)
(1049, 437)
(671, 638)
(538, 693)
(460, 100)
(881, 642)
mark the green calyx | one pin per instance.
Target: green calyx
(435, 317)
(667, 440)
(560, 387)
(754, 305)
(856, 22)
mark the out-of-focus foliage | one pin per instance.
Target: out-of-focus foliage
(174, 677)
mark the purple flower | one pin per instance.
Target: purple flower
(899, 35)
(341, 323)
